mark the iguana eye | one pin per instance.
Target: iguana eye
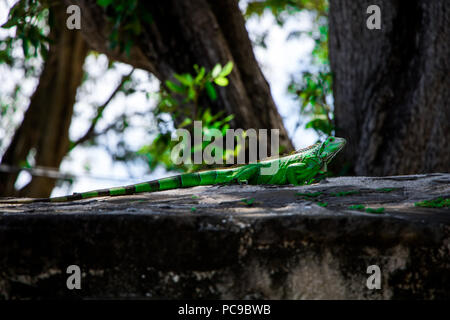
(331, 139)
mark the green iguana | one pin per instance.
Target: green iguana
(296, 168)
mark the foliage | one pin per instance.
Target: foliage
(361, 207)
(434, 203)
(357, 207)
(345, 193)
(312, 92)
(8, 110)
(191, 87)
(248, 202)
(314, 87)
(375, 210)
(281, 8)
(29, 18)
(174, 97)
(22, 48)
(128, 18)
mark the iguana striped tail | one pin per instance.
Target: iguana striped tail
(185, 180)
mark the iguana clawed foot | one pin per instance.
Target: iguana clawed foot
(240, 182)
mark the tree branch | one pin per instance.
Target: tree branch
(90, 133)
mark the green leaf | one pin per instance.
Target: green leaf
(216, 71)
(12, 22)
(185, 79)
(25, 47)
(226, 69)
(191, 94)
(104, 3)
(174, 87)
(384, 189)
(210, 91)
(207, 117)
(248, 202)
(228, 118)
(434, 203)
(373, 210)
(185, 123)
(356, 207)
(200, 75)
(43, 51)
(16, 12)
(221, 81)
(345, 193)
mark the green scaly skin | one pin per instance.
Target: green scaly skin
(297, 168)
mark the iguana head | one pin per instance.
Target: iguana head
(329, 148)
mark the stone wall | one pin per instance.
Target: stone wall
(235, 242)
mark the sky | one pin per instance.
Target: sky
(278, 61)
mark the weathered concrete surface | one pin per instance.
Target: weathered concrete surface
(281, 246)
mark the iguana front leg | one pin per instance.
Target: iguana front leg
(294, 172)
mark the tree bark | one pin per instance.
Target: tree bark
(46, 122)
(202, 32)
(391, 86)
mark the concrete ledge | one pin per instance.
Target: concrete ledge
(205, 242)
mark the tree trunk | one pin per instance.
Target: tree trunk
(391, 86)
(202, 32)
(46, 122)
